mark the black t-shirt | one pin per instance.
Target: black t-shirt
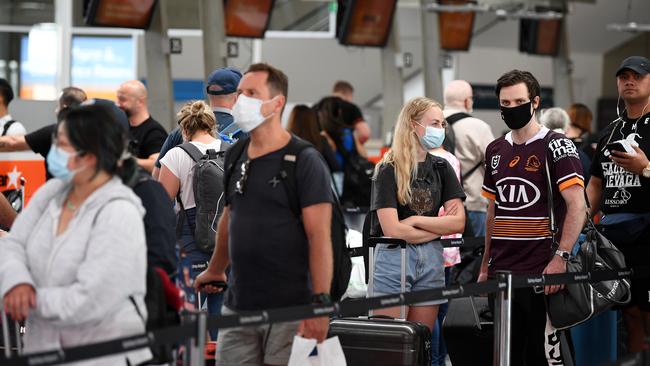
(623, 191)
(429, 190)
(269, 250)
(351, 113)
(40, 142)
(148, 138)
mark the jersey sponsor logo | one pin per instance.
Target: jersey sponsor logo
(514, 161)
(620, 197)
(562, 148)
(533, 164)
(495, 161)
(617, 177)
(516, 193)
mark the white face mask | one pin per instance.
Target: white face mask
(247, 112)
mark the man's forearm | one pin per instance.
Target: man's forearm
(489, 227)
(572, 225)
(13, 143)
(594, 194)
(220, 257)
(321, 263)
(147, 164)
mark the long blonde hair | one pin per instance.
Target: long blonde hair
(403, 155)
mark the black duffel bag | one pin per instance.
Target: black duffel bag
(579, 302)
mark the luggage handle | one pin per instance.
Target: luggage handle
(7, 337)
(477, 320)
(372, 242)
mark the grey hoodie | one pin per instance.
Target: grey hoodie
(84, 277)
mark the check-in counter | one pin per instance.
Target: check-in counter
(27, 165)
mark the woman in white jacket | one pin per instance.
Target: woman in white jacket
(73, 265)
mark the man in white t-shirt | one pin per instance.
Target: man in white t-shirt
(8, 126)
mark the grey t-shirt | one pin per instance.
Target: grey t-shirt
(429, 190)
(269, 251)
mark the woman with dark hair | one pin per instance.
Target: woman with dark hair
(303, 122)
(339, 136)
(579, 130)
(73, 265)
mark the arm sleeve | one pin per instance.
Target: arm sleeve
(172, 161)
(16, 128)
(175, 138)
(114, 269)
(314, 182)
(565, 165)
(384, 189)
(41, 140)
(489, 189)
(451, 186)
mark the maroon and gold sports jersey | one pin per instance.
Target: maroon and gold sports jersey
(515, 179)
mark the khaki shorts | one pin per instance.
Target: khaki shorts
(255, 345)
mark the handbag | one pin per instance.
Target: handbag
(579, 302)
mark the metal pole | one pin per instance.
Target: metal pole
(504, 303)
(5, 334)
(371, 272)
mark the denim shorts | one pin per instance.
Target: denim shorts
(425, 269)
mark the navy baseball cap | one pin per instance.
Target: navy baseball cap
(223, 80)
(638, 64)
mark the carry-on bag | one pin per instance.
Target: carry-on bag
(383, 340)
(460, 329)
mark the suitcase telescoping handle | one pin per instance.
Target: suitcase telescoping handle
(372, 243)
(6, 336)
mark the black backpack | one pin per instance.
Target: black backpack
(357, 178)
(207, 183)
(340, 251)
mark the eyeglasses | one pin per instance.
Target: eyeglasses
(241, 183)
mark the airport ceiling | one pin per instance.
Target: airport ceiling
(587, 19)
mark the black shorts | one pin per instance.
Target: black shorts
(638, 256)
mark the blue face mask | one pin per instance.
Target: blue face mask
(433, 137)
(57, 163)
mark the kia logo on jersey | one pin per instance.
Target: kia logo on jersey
(514, 193)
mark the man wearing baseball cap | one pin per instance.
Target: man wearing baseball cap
(221, 88)
(620, 187)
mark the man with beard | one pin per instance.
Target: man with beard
(147, 134)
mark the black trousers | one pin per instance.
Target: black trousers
(527, 342)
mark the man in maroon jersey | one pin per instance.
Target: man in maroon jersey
(518, 230)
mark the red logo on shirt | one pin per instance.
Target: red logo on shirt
(514, 161)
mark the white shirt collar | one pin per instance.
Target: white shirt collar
(223, 110)
(538, 136)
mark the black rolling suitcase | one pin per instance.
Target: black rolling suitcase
(380, 340)
(468, 331)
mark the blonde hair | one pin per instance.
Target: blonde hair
(196, 116)
(403, 155)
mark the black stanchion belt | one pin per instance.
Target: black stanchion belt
(354, 307)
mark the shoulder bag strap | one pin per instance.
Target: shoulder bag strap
(456, 117)
(6, 127)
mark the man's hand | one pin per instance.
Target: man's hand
(206, 277)
(19, 300)
(482, 274)
(556, 265)
(314, 328)
(631, 163)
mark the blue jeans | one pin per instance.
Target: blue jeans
(192, 261)
(438, 347)
(477, 219)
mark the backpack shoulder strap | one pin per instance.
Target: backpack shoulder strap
(234, 153)
(192, 151)
(288, 171)
(6, 126)
(456, 117)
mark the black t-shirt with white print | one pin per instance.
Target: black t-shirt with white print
(623, 191)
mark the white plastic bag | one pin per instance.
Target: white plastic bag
(357, 287)
(330, 352)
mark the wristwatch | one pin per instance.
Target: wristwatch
(646, 171)
(321, 299)
(563, 254)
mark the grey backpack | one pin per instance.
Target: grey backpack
(207, 184)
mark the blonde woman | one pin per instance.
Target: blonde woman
(197, 125)
(409, 187)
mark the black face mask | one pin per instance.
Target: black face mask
(516, 117)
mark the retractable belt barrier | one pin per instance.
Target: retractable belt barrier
(353, 307)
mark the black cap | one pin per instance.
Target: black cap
(638, 64)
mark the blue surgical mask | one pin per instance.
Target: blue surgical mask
(433, 137)
(57, 163)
